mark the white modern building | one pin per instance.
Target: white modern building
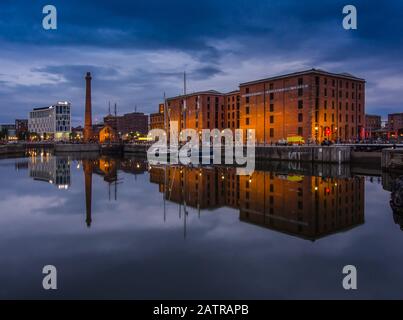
(52, 122)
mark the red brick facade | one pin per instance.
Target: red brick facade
(313, 104)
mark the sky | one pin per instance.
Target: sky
(139, 49)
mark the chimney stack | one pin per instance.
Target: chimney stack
(88, 135)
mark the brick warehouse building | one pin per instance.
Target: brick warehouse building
(395, 124)
(373, 123)
(129, 122)
(204, 110)
(200, 110)
(313, 104)
(157, 120)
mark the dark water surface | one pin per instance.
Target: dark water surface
(120, 229)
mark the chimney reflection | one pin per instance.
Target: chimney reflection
(304, 206)
(88, 168)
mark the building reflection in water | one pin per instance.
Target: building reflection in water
(393, 182)
(47, 168)
(304, 206)
(301, 205)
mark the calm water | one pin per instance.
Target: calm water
(120, 229)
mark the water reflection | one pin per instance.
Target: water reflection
(245, 236)
(304, 206)
(48, 168)
(286, 200)
(394, 184)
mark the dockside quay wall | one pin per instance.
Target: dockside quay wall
(74, 148)
(392, 159)
(332, 154)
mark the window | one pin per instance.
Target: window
(325, 104)
(300, 131)
(325, 117)
(247, 100)
(247, 90)
(271, 132)
(247, 110)
(271, 96)
(247, 121)
(271, 107)
(300, 117)
(271, 119)
(300, 104)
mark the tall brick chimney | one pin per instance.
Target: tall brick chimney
(88, 135)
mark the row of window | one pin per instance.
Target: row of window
(301, 118)
(346, 84)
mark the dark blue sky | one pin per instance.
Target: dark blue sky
(136, 50)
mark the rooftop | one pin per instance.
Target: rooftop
(305, 72)
(43, 108)
(199, 93)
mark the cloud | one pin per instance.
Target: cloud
(137, 50)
